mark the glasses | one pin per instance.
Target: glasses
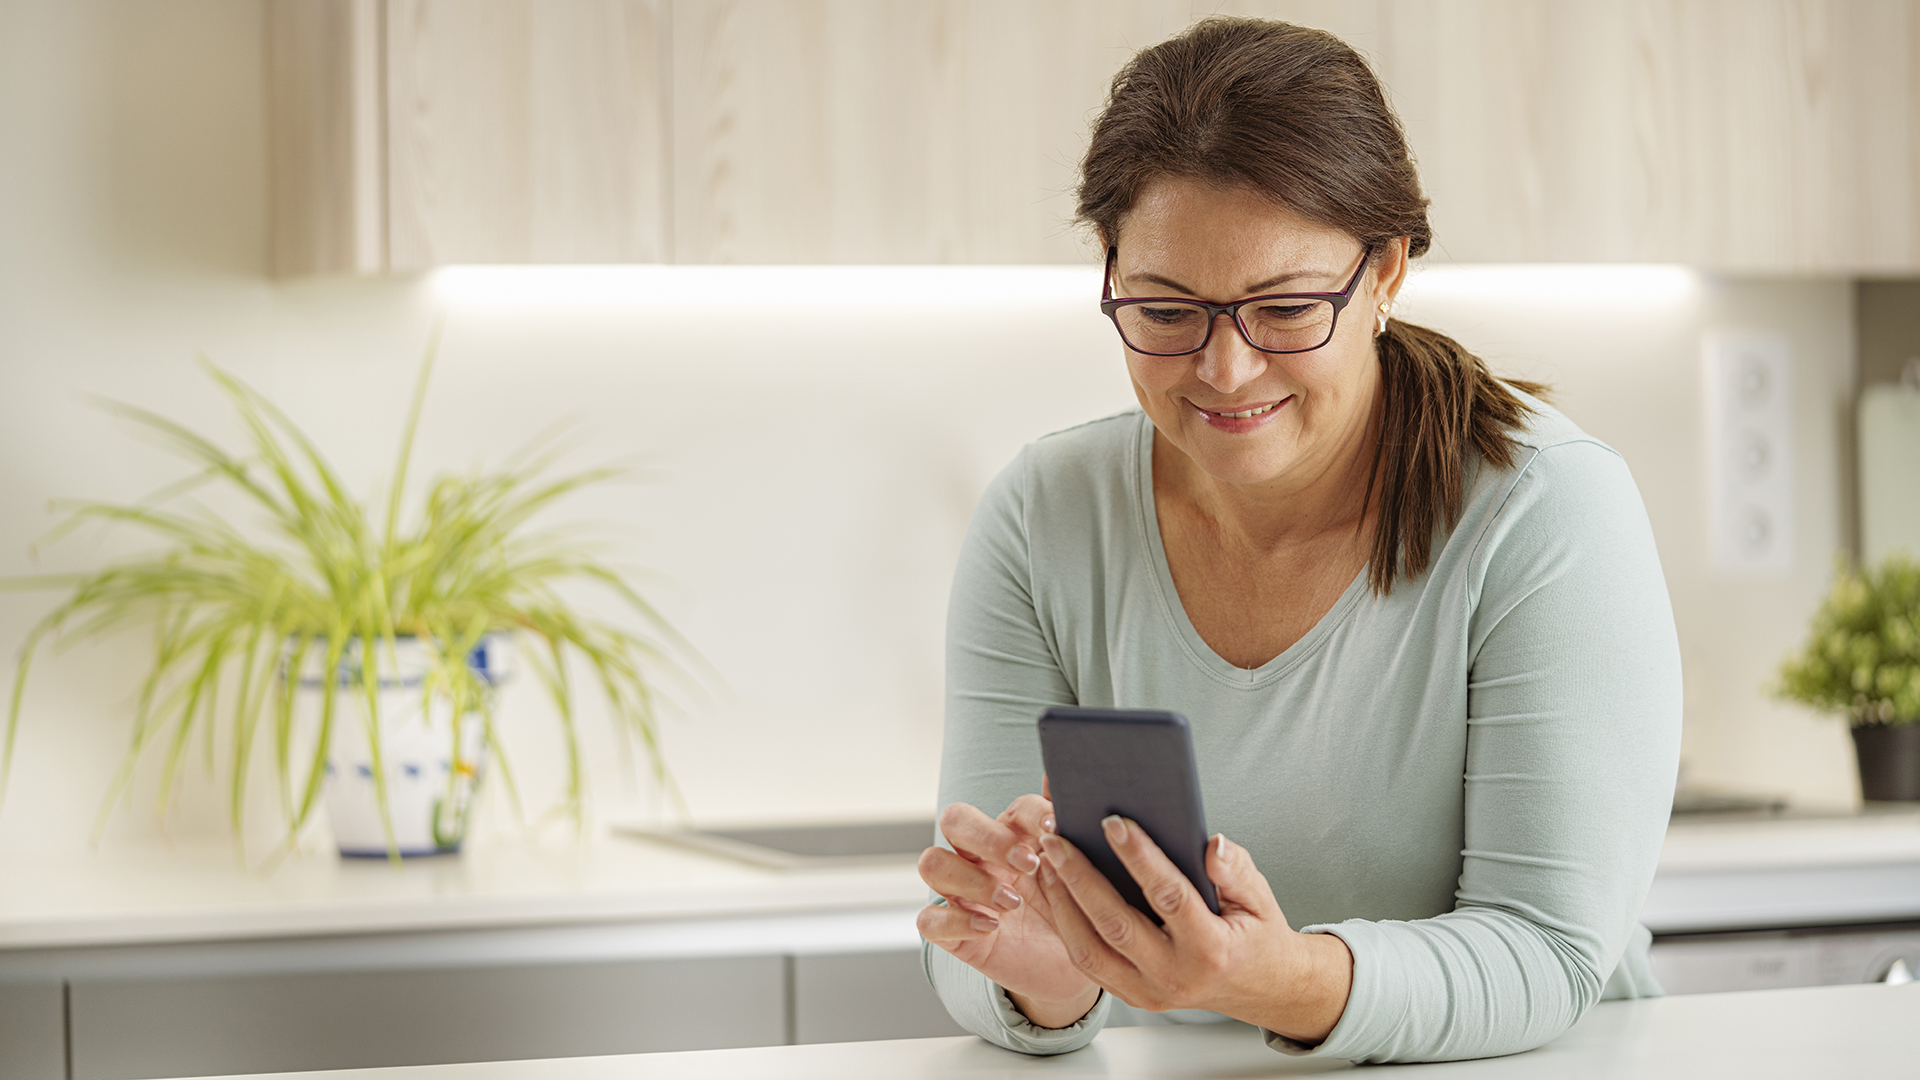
(1277, 323)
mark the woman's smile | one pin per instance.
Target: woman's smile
(1241, 419)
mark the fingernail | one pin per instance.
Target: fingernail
(1024, 860)
(1115, 827)
(1046, 824)
(985, 924)
(1223, 847)
(1047, 876)
(1005, 899)
(1052, 845)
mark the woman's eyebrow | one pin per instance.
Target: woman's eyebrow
(1281, 279)
(1252, 290)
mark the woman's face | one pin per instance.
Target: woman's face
(1311, 410)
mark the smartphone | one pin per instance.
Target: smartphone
(1137, 763)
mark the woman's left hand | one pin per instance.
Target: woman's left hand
(1245, 962)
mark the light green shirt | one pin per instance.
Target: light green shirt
(1468, 780)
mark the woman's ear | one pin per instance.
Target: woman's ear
(1390, 273)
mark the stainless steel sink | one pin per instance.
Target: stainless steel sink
(801, 847)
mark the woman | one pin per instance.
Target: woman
(1415, 616)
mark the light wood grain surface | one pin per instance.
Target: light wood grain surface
(524, 132)
(1774, 136)
(325, 142)
(868, 131)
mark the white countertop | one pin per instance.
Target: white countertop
(1885, 832)
(1747, 872)
(1714, 874)
(199, 893)
(1858, 1032)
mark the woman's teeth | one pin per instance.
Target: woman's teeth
(1249, 412)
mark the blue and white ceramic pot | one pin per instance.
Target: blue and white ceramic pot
(431, 760)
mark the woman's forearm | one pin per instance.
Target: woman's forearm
(1056, 1014)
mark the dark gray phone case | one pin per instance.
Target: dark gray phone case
(1137, 763)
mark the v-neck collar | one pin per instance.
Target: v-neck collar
(1202, 654)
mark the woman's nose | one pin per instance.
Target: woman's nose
(1229, 361)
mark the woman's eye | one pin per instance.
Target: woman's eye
(1284, 312)
(1167, 316)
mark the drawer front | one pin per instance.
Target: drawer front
(134, 1029)
(859, 996)
(33, 1037)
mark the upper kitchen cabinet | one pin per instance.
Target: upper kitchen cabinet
(1778, 137)
(326, 145)
(414, 133)
(1774, 137)
(872, 131)
(1741, 135)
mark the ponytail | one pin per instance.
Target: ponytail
(1439, 403)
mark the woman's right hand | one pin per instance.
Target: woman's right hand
(995, 918)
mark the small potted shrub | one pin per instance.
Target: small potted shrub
(358, 649)
(1863, 661)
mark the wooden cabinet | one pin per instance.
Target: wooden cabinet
(1747, 136)
(409, 134)
(1737, 134)
(325, 137)
(872, 131)
(414, 133)
(525, 131)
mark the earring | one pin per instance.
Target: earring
(1383, 319)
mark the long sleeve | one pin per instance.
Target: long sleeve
(1573, 723)
(1001, 673)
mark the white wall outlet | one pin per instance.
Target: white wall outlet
(1750, 452)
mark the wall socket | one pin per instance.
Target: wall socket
(1750, 452)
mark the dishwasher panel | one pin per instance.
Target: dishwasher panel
(1772, 959)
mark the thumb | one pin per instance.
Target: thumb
(1239, 883)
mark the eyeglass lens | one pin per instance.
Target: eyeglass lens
(1169, 327)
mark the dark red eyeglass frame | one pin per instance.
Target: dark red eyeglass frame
(1109, 305)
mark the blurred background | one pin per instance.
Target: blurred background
(192, 179)
(810, 264)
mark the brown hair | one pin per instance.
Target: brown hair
(1297, 115)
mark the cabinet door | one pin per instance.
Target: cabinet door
(1742, 136)
(1788, 135)
(870, 131)
(135, 1028)
(1775, 137)
(33, 1038)
(860, 996)
(525, 131)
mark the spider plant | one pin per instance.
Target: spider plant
(236, 618)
